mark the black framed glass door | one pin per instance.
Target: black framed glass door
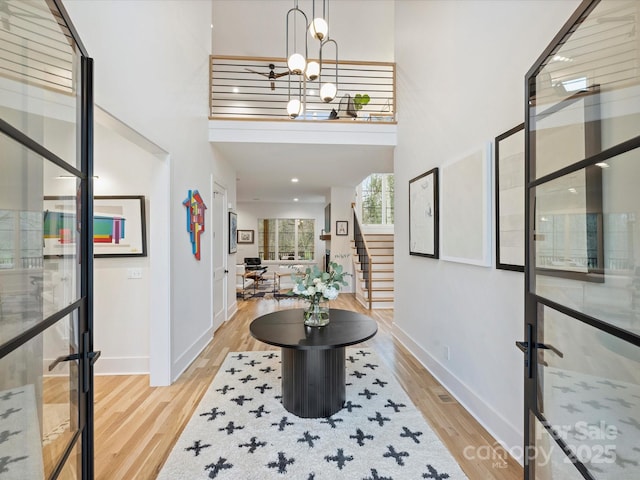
(582, 273)
(46, 250)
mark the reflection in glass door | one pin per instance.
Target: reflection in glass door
(582, 274)
(46, 412)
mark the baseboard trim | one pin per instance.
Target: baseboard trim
(504, 433)
(190, 354)
(233, 309)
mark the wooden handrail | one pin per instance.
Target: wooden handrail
(358, 228)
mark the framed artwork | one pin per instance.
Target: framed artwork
(342, 227)
(509, 178)
(465, 209)
(424, 215)
(245, 236)
(119, 226)
(233, 232)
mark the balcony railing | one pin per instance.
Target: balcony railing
(238, 92)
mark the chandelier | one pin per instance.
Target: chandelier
(297, 53)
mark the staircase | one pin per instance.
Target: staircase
(380, 248)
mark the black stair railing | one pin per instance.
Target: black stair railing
(364, 257)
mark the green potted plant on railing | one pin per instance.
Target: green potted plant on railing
(360, 100)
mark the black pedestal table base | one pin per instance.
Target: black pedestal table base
(313, 359)
(313, 381)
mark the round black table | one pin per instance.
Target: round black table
(313, 358)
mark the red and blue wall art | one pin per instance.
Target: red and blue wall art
(118, 226)
(195, 219)
(61, 226)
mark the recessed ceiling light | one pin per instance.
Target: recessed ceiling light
(294, 180)
(295, 199)
(602, 165)
(573, 190)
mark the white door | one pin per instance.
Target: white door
(219, 256)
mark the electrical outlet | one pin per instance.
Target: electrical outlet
(134, 273)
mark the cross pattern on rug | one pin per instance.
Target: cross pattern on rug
(599, 421)
(20, 443)
(240, 430)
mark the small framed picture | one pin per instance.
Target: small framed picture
(342, 227)
(509, 199)
(245, 236)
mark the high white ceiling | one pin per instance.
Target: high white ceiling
(264, 171)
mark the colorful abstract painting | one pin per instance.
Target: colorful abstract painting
(118, 226)
(195, 219)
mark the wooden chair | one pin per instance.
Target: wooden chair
(243, 282)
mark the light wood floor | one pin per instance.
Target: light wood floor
(136, 425)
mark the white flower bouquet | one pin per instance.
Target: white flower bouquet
(318, 287)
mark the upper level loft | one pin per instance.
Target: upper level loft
(248, 100)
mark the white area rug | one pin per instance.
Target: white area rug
(599, 420)
(20, 444)
(240, 430)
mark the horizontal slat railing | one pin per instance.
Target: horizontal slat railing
(34, 48)
(237, 92)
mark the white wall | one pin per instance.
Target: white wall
(257, 28)
(121, 354)
(151, 71)
(461, 68)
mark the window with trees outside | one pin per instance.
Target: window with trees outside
(376, 192)
(286, 238)
(20, 239)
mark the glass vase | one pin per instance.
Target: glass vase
(317, 313)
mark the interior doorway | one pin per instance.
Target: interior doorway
(219, 254)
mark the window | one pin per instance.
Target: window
(7, 239)
(286, 238)
(20, 239)
(377, 199)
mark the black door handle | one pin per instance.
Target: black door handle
(94, 356)
(226, 271)
(63, 358)
(528, 352)
(544, 346)
(524, 346)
